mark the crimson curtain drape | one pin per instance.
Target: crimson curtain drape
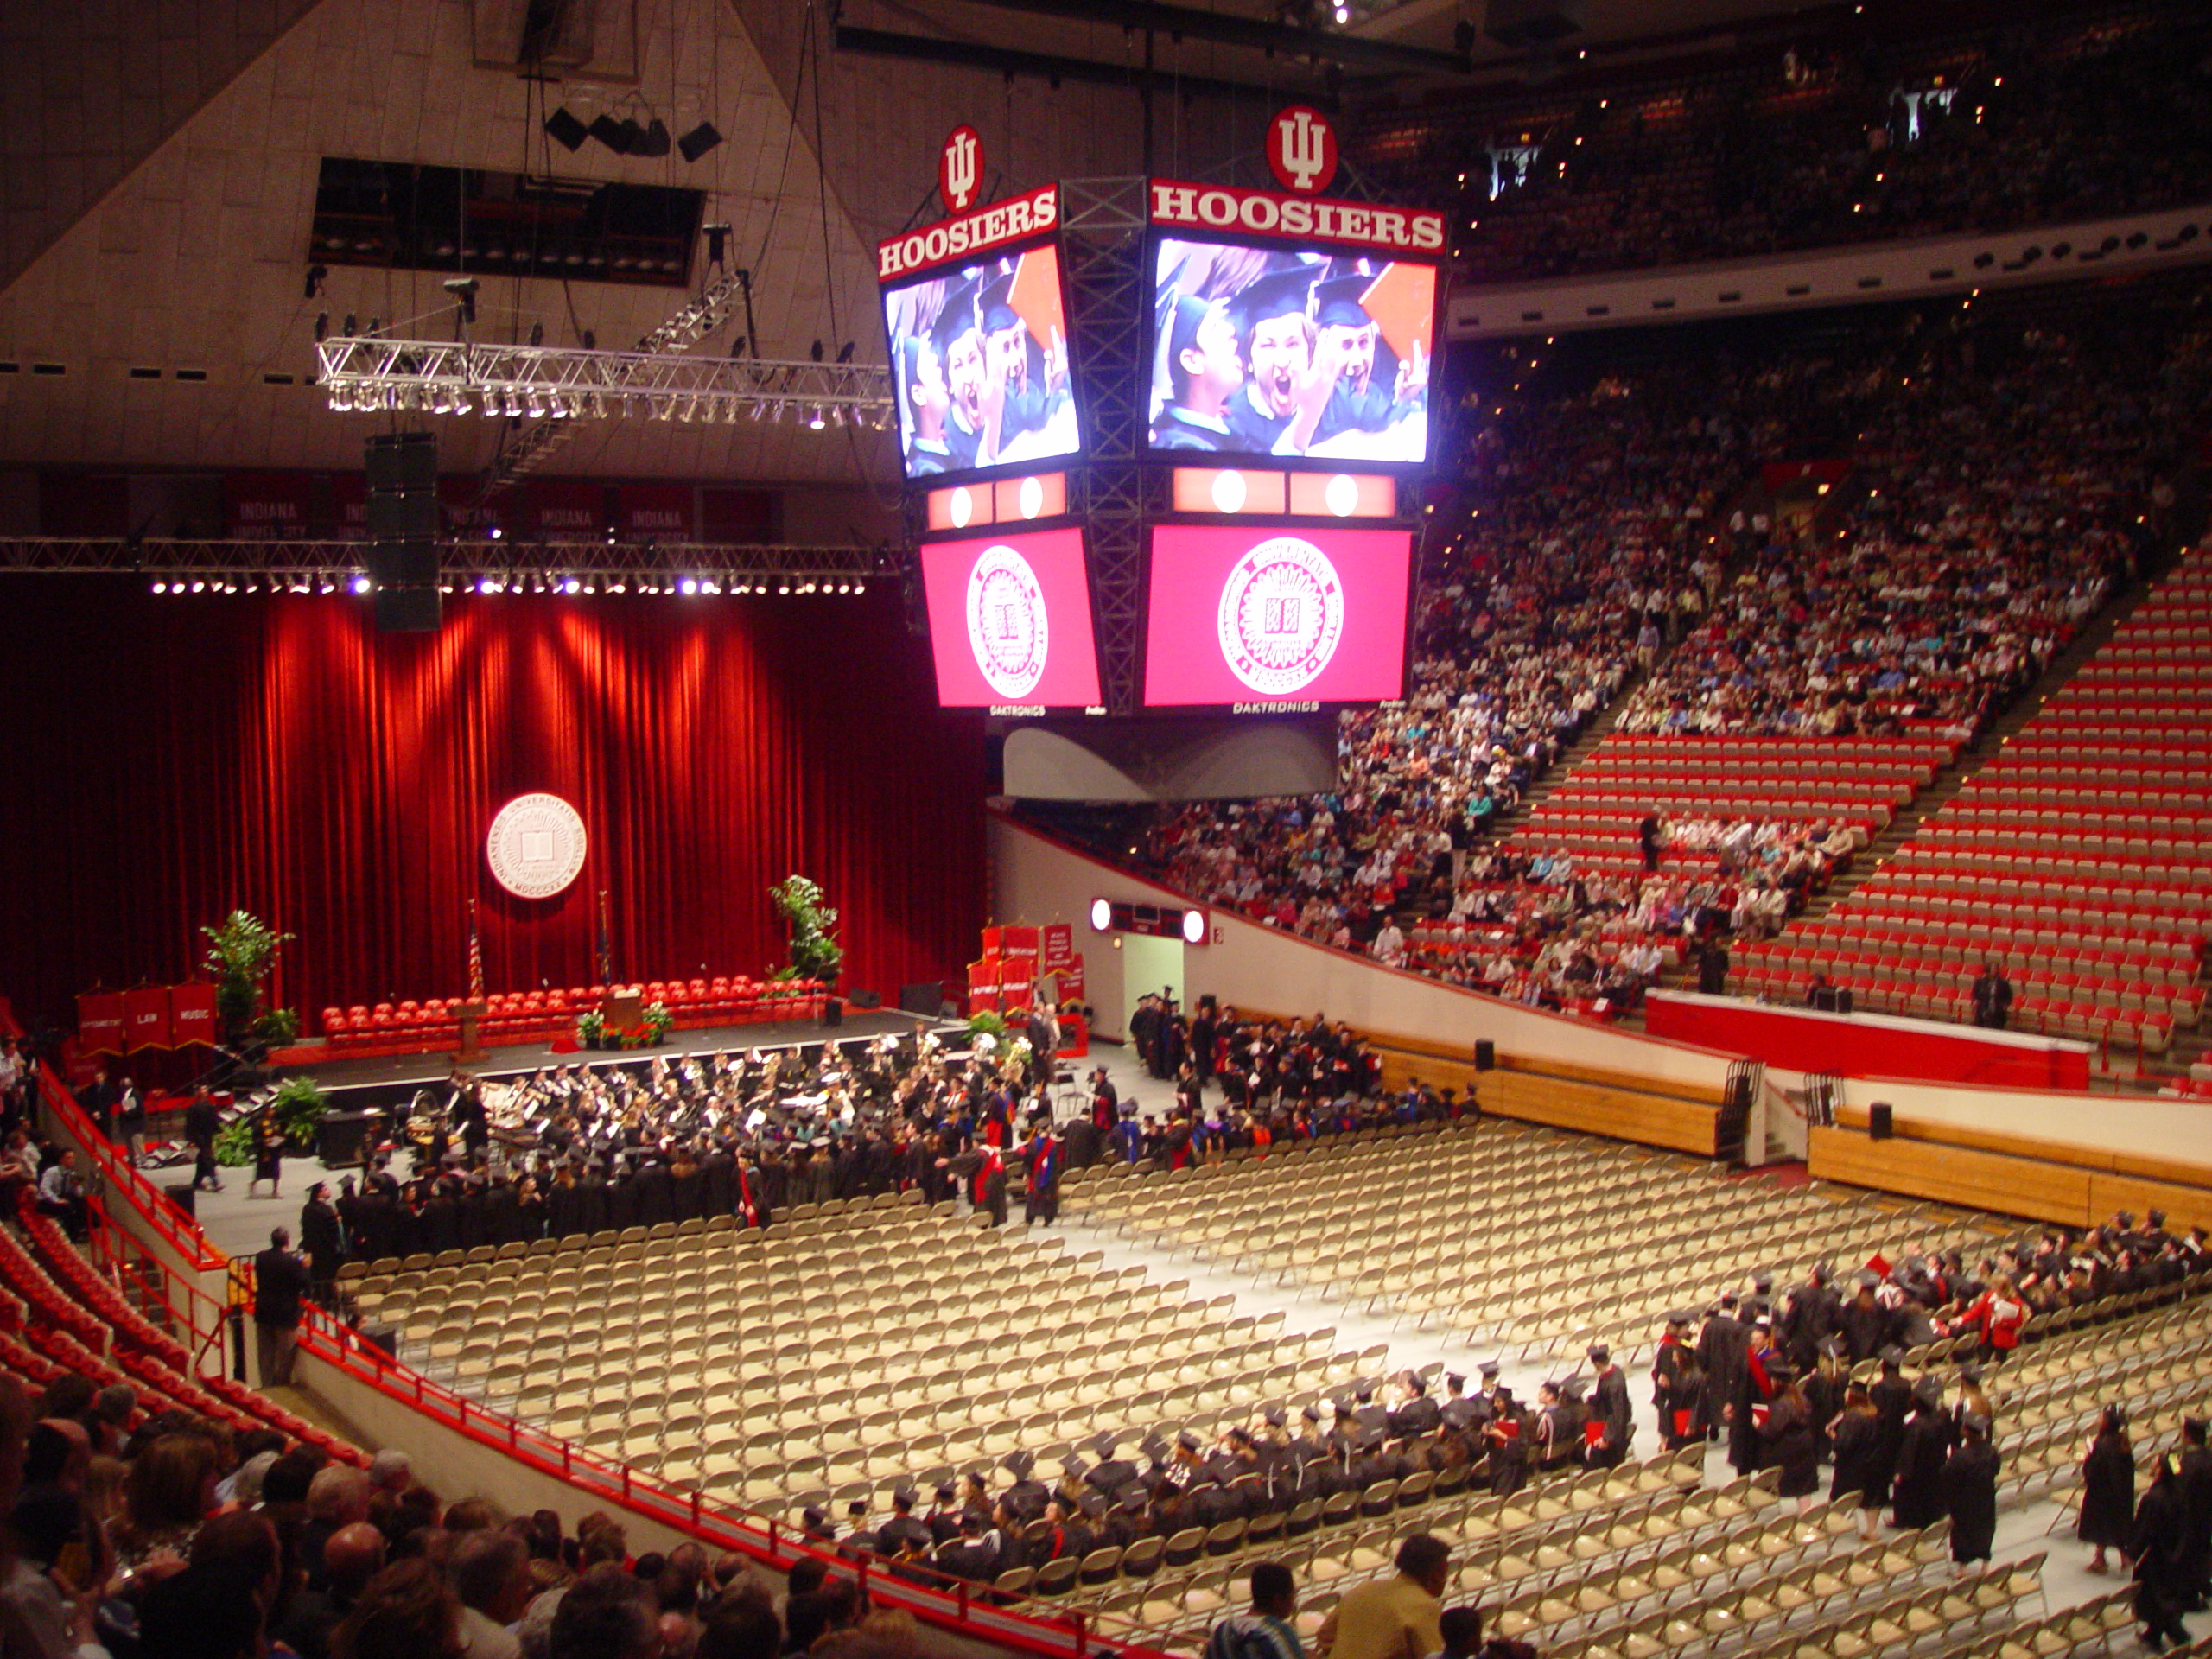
(170, 759)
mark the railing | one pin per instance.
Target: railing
(1028, 1625)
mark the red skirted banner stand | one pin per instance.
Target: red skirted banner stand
(1866, 1045)
(1016, 960)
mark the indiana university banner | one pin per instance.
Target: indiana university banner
(146, 1018)
(192, 1015)
(100, 1022)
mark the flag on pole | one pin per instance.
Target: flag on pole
(475, 958)
(605, 943)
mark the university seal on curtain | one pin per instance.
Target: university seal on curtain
(535, 847)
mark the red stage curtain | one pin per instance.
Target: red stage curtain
(172, 758)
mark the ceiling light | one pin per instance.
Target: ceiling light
(161, 586)
(690, 586)
(360, 584)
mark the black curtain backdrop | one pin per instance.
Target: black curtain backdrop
(170, 759)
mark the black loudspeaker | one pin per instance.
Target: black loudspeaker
(1485, 1055)
(1881, 1122)
(833, 1011)
(185, 1196)
(865, 999)
(403, 511)
(923, 997)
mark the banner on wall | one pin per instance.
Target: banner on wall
(655, 513)
(192, 1014)
(146, 1018)
(100, 1022)
(1058, 948)
(267, 507)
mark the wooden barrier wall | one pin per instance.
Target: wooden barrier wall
(2012, 1175)
(1680, 1117)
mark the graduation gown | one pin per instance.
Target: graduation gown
(1969, 1485)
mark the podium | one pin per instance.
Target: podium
(623, 1010)
(467, 1013)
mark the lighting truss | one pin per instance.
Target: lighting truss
(513, 565)
(559, 386)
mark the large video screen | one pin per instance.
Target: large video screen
(1259, 351)
(1010, 620)
(1249, 615)
(979, 365)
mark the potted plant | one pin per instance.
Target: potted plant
(658, 1020)
(240, 953)
(591, 1028)
(815, 952)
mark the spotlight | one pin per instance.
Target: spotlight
(360, 584)
(496, 532)
(463, 289)
(816, 419)
(690, 586)
(570, 585)
(566, 131)
(785, 585)
(697, 142)
(845, 352)
(538, 334)
(349, 328)
(161, 586)
(860, 587)
(322, 326)
(717, 241)
(328, 585)
(315, 274)
(817, 351)
(199, 587)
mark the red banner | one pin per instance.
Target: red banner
(463, 513)
(566, 509)
(1059, 947)
(1067, 981)
(146, 1017)
(99, 1021)
(192, 1015)
(267, 506)
(1006, 941)
(654, 512)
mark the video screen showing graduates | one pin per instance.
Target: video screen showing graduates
(1267, 353)
(979, 360)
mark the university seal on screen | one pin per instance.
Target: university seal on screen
(1007, 625)
(535, 846)
(1281, 615)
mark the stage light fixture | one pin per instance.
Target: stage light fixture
(199, 587)
(565, 130)
(618, 586)
(785, 585)
(161, 586)
(691, 585)
(328, 585)
(463, 289)
(815, 420)
(322, 326)
(315, 274)
(360, 584)
(495, 532)
(710, 586)
(697, 142)
(860, 587)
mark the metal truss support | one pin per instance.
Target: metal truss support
(189, 567)
(1102, 245)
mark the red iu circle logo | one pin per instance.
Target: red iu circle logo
(1281, 616)
(960, 169)
(1006, 627)
(1302, 150)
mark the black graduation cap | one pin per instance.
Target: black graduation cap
(1092, 1505)
(1682, 1316)
(1154, 1447)
(1970, 1374)
(1101, 1444)
(1364, 1393)
(1371, 1437)
(1833, 1347)
(1781, 1371)
(1975, 1423)
(1281, 293)
(1763, 1283)
(857, 1506)
(1454, 1382)
(995, 301)
(957, 317)
(1335, 302)
(1490, 1369)
(1275, 1417)
(1019, 1464)
(1188, 1441)
(814, 1516)
(1599, 1353)
(1073, 1467)
(1310, 1412)
(1891, 1356)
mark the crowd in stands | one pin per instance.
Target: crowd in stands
(2003, 484)
(2045, 121)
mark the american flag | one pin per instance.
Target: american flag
(475, 958)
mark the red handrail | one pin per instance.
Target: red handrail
(720, 1526)
(152, 1204)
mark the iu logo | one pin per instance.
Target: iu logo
(1302, 150)
(1007, 629)
(1281, 616)
(960, 169)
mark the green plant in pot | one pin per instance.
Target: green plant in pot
(240, 952)
(591, 1028)
(815, 952)
(658, 1020)
(299, 1106)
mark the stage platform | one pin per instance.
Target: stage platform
(355, 1082)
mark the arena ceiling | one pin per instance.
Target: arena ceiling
(159, 161)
